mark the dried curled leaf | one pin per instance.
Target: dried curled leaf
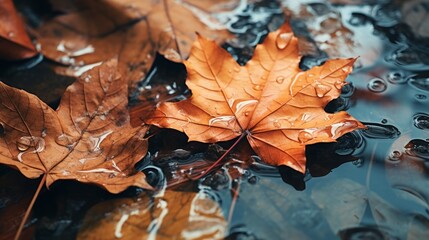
(14, 41)
(134, 31)
(279, 107)
(88, 138)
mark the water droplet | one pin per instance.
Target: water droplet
(26, 142)
(420, 83)
(358, 19)
(97, 140)
(350, 143)
(280, 79)
(237, 69)
(419, 148)
(409, 57)
(229, 71)
(257, 87)
(395, 156)
(384, 121)
(358, 163)
(253, 180)
(304, 136)
(44, 132)
(396, 77)
(82, 122)
(23, 144)
(380, 131)
(221, 120)
(377, 85)
(322, 90)
(420, 97)
(244, 106)
(339, 84)
(421, 121)
(283, 40)
(65, 140)
(11, 34)
(277, 124)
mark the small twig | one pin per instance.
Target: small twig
(219, 160)
(30, 207)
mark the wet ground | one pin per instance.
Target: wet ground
(371, 184)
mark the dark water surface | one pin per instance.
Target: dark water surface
(371, 184)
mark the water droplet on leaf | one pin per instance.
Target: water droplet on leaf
(257, 87)
(26, 142)
(322, 90)
(283, 40)
(304, 136)
(277, 124)
(44, 132)
(23, 144)
(64, 140)
(339, 84)
(280, 79)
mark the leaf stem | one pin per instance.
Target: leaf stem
(219, 159)
(30, 207)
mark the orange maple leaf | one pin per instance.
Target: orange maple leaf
(270, 100)
(89, 137)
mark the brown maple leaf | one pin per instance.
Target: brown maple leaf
(133, 31)
(270, 100)
(88, 138)
(14, 41)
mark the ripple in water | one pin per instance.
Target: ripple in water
(421, 121)
(380, 131)
(377, 85)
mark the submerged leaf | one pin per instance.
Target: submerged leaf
(347, 204)
(88, 138)
(279, 107)
(173, 215)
